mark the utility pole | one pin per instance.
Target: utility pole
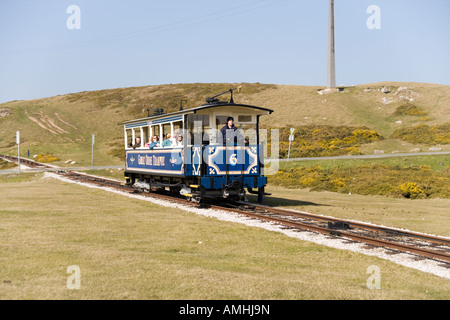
(18, 148)
(331, 80)
(291, 138)
(92, 152)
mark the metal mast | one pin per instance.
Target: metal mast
(331, 80)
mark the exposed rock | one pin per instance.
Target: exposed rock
(4, 112)
(327, 91)
(406, 94)
(386, 100)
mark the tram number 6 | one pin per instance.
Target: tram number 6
(233, 159)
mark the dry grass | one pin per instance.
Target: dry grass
(132, 249)
(6, 165)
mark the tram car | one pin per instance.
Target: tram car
(210, 151)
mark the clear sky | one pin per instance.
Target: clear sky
(136, 43)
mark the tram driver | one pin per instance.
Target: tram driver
(231, 134)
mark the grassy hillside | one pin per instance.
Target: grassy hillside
(63, 125)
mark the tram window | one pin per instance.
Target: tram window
(166, 130)
(248, 131)
(221, 121)
(145, 138)
(177, 126)
(129, 138)
(244, 118)
(137, 134)
(198, 127)
(177, 131)
(155, 131)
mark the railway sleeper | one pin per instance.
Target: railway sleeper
(339, 225)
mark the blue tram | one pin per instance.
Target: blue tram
(213, 150)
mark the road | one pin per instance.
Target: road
(368, 156)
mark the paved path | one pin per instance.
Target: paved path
(25, 169)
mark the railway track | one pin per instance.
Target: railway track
(420, 245)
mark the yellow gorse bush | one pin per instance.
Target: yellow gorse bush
(374, 179)
(438, 134)
(410, 190)
(409, 109)
(46, 158)
(324, 140)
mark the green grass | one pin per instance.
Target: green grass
(108, 173)
(6, 165)
(22, 177)
(132, 249)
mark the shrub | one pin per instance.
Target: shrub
(410, 190)
(365, 135)
(438, 134)
(409, 109)
(46, 158)
(338, 183)
(374, 179)
(323, 140)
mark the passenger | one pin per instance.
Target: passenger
(167, 142)
(179, 143)
(231, 134)
(137, 143)
(154, 143)
(173, 140)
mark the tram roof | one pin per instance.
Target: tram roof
(163, 116)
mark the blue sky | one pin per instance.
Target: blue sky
(137, 43)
